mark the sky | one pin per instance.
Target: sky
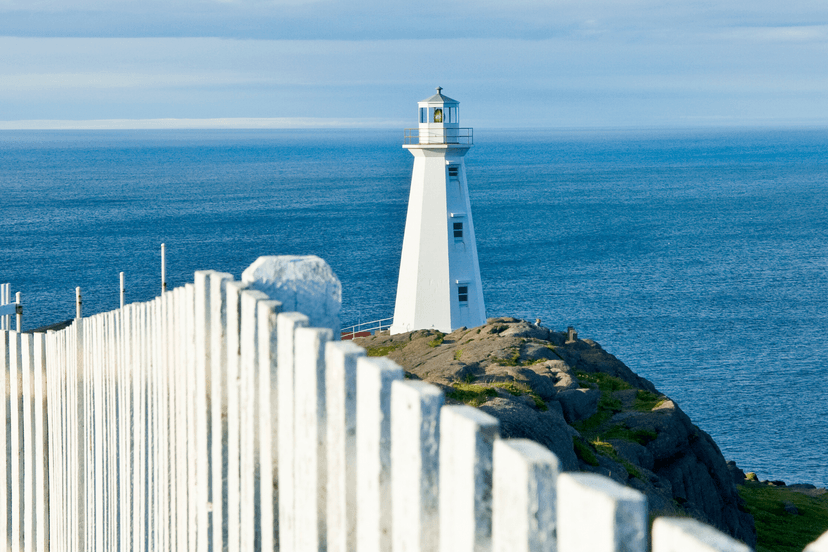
(365, 63)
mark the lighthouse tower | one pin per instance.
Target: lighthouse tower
(439, 285)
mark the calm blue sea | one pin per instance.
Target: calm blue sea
(698, 257)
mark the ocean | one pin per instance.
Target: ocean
(697, 257)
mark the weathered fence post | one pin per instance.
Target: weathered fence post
(127, 413)
(415, 465)
(309, 445)
(233, 297)
(5, 299)
(41, 446)
(596, 514)
(19, 318)
(5, 438)
(685, 534)
(27, 436)
(248, 406)
(340, 387)
(188, 390)
(467, 436)
(202, 417)
(218, 407)
(374, 379)
(523, 497)
(16, 422)
(266, 464)
(819, 545)
(287, 324)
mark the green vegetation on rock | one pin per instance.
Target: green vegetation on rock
(513, 360)
(471, 394)
(645, 401)
(383, 351)
(608, 450)
(477, 394)
(640, 436)
(518, 389)
(437, 340)
(584, 452)
(781, 530)
(605, 382)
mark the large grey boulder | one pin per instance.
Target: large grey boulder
(578, 404)
(303, 284)
(520, 421)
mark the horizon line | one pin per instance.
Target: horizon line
(310, 123)
(218, 123)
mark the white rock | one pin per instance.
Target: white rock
(303, 284)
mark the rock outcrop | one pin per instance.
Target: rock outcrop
(585, 405)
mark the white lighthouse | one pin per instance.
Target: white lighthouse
(439, 285)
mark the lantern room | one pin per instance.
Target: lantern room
(439, 111)
(439, 120)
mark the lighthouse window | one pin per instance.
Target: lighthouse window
(458, 231)
(454, 174)
(451, 115)
(463, 295)
(423, 114)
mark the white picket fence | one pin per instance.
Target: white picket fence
(207, 420)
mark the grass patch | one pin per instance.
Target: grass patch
(383, 351)
(588, 426)
(609, 451)
(645, 401)
(437, 341)
(457, 354)
(778, 530)
(604, 381)
(513, 360)
(472, 395)
(518, 389)
(640, 436)
(477, 394)
(607, 404)
(584, 452)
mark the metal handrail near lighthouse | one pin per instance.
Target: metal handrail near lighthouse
(439, 283)
(463, 136)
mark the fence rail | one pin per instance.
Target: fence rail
(209, 420)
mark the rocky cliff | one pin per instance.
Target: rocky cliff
(583, 404)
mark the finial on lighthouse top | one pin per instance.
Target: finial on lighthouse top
(438, 98)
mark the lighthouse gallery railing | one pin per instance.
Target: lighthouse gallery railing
(450, 136)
